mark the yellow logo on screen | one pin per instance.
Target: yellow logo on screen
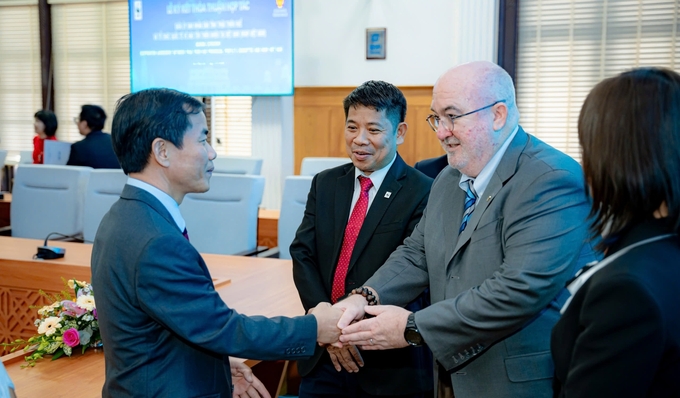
(279, 3)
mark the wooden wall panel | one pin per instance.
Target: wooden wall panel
(320, 120)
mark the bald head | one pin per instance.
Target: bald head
(481, 81)
(475, 103)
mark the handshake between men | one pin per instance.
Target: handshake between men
(340, 332)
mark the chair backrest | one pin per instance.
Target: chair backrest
(224, 219)
(48, 198)
(3, 156)
(295, 191)
(312, 166)
(237, 165)
(103, 190)
(25, 157)
(56, 152)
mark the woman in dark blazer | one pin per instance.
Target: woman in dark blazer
(619, 335)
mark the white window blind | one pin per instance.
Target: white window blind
(20, 84)
(231, 127)
(91, 53)
(566, 47)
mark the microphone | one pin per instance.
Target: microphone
(51, 252)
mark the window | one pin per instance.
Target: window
(566, 47)
(20, 84)
(231, 127)
(91, 53)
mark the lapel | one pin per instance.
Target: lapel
(344, 189)
(505, 170)
(379, 207)
(133, 193)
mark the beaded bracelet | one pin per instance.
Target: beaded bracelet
(367, 293)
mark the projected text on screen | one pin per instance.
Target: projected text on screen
(212, 47)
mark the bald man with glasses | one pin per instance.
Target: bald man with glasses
(503, 230)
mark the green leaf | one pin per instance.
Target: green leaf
(58, 354)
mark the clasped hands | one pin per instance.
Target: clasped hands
(342, 328)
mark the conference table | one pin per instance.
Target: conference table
(250, 285)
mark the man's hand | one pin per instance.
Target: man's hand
(347, 357)
(353, 309)
(383, 332)
(327, 317)
(246, 385)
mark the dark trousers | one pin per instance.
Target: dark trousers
(326, 382)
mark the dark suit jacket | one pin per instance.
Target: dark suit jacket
(620, 335)
(496, 286)
(95, 150)
(316, 249)
(432, 167)
(165, 330)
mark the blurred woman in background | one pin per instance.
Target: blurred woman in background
(619, 335)
(45, 126)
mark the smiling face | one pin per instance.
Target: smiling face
(191, 167)
(371, 138)
(475, 138)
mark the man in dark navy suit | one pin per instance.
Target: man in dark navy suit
(95, 150)
(166, 330)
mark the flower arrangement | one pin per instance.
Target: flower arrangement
(69, 323)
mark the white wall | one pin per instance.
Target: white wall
(424, 38)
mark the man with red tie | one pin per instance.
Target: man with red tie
(356, 215)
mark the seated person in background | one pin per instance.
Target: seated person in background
(431, 167)
(45, 126)
(166, 330)
(6, 385)
(335, 252)
(95, 150)
(619, 336)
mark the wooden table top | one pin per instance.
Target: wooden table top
(259, 286)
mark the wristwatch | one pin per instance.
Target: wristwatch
(411, 333)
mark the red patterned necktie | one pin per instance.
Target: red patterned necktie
(356, 220)
(185, 233)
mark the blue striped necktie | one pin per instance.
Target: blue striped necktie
(470, 200)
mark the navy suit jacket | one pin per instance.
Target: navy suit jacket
(95, 150)
(432, 167)
(166, 331)
(316, 249)
(620, 335)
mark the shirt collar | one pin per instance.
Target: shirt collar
(167, 201)
(377, 177)
(482, 181)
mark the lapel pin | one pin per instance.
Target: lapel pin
(489, 198)
(388, 194)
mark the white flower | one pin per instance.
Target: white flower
(86, 302)
(48, 308)
(49, 326)
(71, 284)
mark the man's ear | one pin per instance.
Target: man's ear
(401, 132)
(500, 115)
(160, 152)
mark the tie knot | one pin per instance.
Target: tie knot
(366, 183)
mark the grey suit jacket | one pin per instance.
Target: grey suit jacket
(166, 331)
(495, 287)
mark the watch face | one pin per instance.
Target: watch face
(413, 337)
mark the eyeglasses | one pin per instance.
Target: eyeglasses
(435, 121)
(76, 120)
